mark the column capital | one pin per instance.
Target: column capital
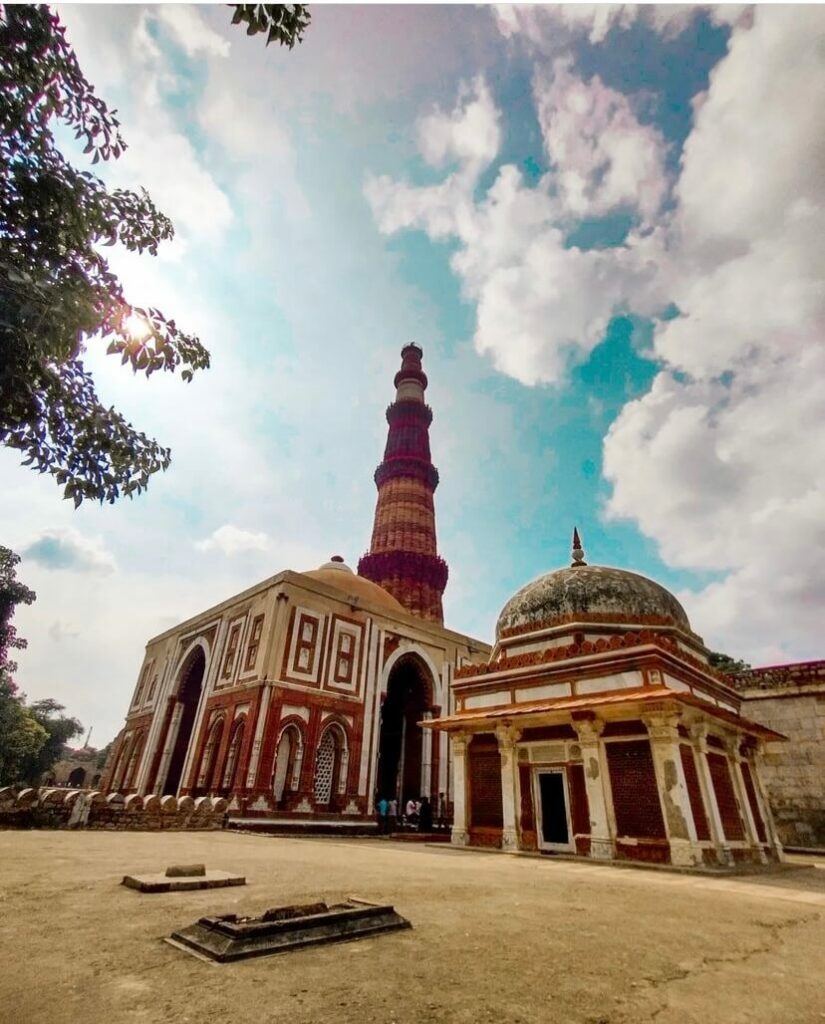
(662, 726)
(588, 729)
(459, 741)
(507, 736)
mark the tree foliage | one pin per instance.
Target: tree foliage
(282, 23)
(59, 730)
(57, 290)
(724, 663)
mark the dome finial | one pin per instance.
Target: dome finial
(578, 551)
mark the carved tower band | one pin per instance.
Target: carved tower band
(403, 557)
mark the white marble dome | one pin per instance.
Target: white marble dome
(598, 593)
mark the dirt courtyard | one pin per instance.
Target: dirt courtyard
(494, 937)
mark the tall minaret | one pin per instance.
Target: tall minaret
(402, 557)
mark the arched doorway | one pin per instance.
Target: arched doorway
(400, 747)
(77, 777)
(206, 776)
(230, 773)
(189, 693)
(287, 758)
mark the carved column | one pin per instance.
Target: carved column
(699, 734)
(732, 746)
(460, 834)
(595, 772)
(427, 757)
(673, 792)
(507, 739)
(764, 802)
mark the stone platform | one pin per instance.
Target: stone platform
(231, 937)
(162, 882)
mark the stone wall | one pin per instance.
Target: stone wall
(791, 700)
(60, 808)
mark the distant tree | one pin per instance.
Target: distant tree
(103, 756)
(59, 730)
(724, 663)
(12, 593)
(56, 288)
(22, 737)
(283, 23)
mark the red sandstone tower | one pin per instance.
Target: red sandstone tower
(402, 556)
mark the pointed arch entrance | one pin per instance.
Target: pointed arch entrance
(188, 697)
(401, 753)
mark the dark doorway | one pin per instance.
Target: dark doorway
(553, 802)
(189, 693)
(399, 750)
(77, 777)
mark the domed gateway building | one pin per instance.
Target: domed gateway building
(302, 699)
(598, 728)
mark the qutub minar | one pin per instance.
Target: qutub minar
(594, 725)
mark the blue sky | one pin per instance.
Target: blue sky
(601, 224)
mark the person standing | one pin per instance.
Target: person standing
(383, 808)
(392, 815)
(425, 815)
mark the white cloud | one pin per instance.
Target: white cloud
(68, 549)
(552, 28)
(191, 32)
(540, 302)
(120, 56)
(232, 541)
(603, 158)
(470, 134)
(719, 462)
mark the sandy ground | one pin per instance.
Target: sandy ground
(494, 938)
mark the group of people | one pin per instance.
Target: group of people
(417, 814)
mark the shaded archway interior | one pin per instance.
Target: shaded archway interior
(409, 690)
(189, 693)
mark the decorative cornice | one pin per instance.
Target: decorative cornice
(574, 650)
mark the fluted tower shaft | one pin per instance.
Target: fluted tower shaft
(403, 558)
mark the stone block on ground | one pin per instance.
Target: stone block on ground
(160, 883)
(184, 870)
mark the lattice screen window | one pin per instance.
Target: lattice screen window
(324, 767)
(254, 643)
(231, 651)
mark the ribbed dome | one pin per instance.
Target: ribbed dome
(336, 573)
(597, 593)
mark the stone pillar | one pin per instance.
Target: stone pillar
(263, 713)
(507, 739)
(764, 802)
(460, 834)
(699, 734)
(673, 792)
(732, 747)
(427, 757)
(595, 772)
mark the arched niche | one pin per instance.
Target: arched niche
(188, 693)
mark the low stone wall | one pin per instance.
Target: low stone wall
(72, 808)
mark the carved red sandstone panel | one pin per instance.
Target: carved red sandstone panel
(635, 791)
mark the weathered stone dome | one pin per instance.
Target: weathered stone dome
(336, 573)
(597, 593)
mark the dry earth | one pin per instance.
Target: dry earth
(494, 938)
